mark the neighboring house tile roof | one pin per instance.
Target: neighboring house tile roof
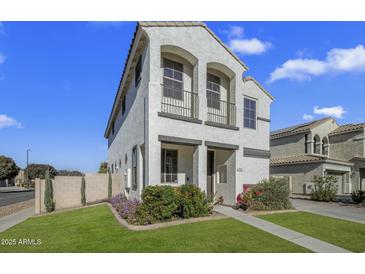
(297, 159)
(165, 24)
(304, 159)
(348, 128)
(301, 128)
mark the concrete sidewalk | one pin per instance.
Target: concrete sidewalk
(310, 243)
(16, 218)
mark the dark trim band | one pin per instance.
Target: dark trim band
(221, 145)
(212, 124)
(181, 118)
(256, 153)
(180, 141)
(263, 119)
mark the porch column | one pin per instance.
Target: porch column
(200, 167)
(153, 160)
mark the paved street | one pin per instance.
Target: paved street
(345, 212)
(15, 197)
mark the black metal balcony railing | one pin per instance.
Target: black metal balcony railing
(179, 102)
(221, 112)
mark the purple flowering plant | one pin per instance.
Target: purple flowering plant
(125, 208)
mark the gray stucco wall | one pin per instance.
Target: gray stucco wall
(347, 146)
(288, 146)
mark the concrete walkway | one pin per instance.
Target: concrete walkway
(310, 243)
(335, 210)
(16, 218)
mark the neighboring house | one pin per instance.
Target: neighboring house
(184, 114)
(320, 147)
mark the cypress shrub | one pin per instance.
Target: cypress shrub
(48, 193)
(83, 196)
(110, 185)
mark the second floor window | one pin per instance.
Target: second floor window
(138, 71)
(249, 113)
(123, 105)
(173, 84)
(213, 91)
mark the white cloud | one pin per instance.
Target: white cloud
(337, 61)
(245, 46)
(308, 117)
(6, 121)
(336, 112)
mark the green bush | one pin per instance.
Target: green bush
(163, 203)
(325, 188)
(358, 196)
(193, 202)
(160, 202)
(48, 193)
(270, 194)
(83, 195)
(39, 171)
(8, 168)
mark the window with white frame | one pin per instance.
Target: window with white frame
(168, 166)
(134, 168)
(213, 91)
(249, 113)
(173, 81)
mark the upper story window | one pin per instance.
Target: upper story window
(123, 105)
(317, 145)
(173, 84)
(306, 143)
(113, 126)
(213, 91)
(249, 113)
(138, 71)
(325, 146)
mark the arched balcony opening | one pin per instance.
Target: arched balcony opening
(317, 144)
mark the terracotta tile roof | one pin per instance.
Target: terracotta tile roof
(301, 128)
(348, 128)
(297, 159)
(306, 159)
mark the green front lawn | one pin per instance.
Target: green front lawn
(95, 229)
(348, 235)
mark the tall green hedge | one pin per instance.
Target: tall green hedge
(83, 196)
(48, 193)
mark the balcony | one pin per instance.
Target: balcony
(220, 113)
(179, 104)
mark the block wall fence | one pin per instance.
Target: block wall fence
(67, 190)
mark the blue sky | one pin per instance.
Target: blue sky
(58, 80)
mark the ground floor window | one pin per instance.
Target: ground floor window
(168, 166)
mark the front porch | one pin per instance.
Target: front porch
(209, 165)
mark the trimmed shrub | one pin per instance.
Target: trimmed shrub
(193, 202)
(160, 202)
(269, 194)
(83, 195)
(358, 196)
(48, 194)
(325, 188)
(110, 186)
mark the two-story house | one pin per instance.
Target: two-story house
(320, 147)
(185, 114)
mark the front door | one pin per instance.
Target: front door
(210, 173)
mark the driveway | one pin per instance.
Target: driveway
(340, 211)
(15, 197)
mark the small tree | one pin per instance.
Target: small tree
(103, 167)
(110, 186)
(48, 193)
(39, 171)
(8, 168)
(83, 196)
(64, 172)
(325, 188)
